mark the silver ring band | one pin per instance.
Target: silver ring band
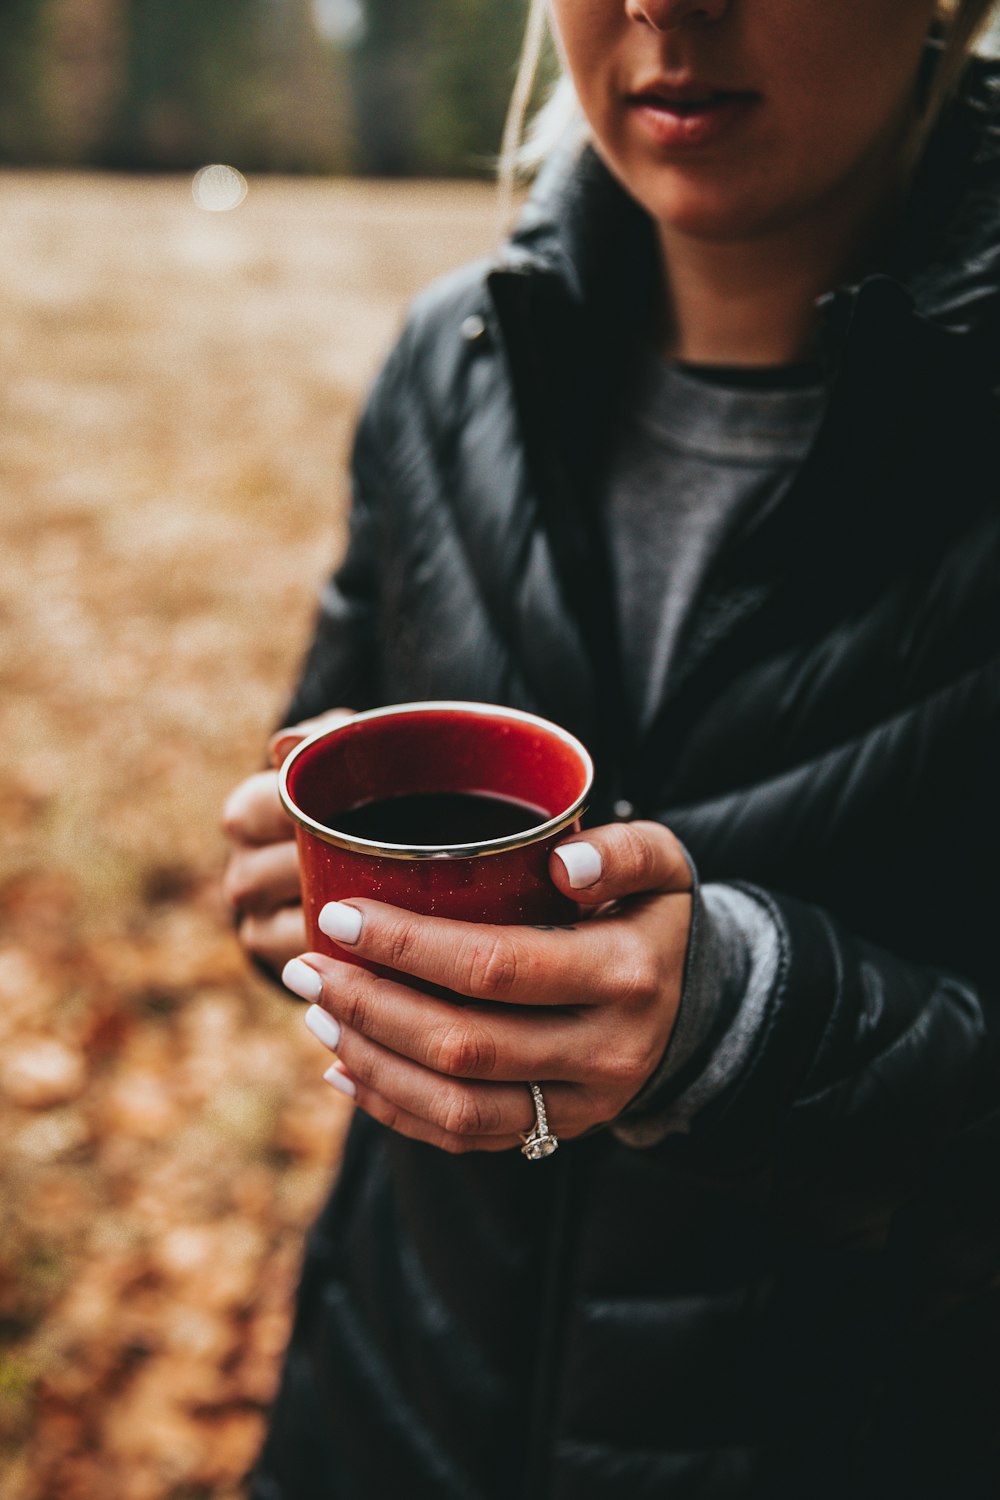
(540, 1141)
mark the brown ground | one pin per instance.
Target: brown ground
(177, 397)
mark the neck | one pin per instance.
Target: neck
(752, 301)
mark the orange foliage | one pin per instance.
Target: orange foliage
(178, 397)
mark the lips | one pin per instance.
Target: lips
(689, 114)
(682, 105)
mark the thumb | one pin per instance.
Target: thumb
(620, 859)
(283, 741)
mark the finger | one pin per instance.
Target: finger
(285, 740)
(260, 880)
(492, 1043)
(456, 1107)
(578, 965)
(415, 1129)
(280, 745)
(618, 860)
(253, 813)
(276, 938)
(412, 1126)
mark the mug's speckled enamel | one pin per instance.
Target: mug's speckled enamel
(432, 748)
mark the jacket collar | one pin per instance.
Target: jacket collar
(572, 295)
(584, 230)
(946, 251)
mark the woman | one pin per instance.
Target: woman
(702, 469)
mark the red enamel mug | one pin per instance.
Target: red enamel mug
(358, 792)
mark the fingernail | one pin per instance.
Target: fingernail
(338, 1080)
(323, 1027)
(340, 922)
(301, 980)
(583, 864)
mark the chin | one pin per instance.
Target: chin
(721, 224)
(716, 205)
(704, 211)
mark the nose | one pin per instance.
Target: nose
(664, 15)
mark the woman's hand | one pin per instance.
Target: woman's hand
(261, 881)
(585, 1011)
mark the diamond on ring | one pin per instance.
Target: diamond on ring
(538, 1142)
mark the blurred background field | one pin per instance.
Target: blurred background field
(177, 399)
(178, 392)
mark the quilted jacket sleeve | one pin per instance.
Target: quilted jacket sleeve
(864, 1076)
(341, 667)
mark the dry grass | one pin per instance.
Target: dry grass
(178, 394)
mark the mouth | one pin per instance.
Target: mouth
(691, 113)
(687, 99)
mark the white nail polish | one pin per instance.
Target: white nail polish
(323, 1027)
(340, 922)
(338, 1080)
(583, 864)
(301, 980)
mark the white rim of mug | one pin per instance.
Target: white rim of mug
(520, 840)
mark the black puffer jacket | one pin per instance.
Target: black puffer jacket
(799, 1298)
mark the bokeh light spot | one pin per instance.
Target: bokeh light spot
(218, 188)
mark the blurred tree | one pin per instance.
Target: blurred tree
(85, 64)
(432, 81)
(247, 81)
(171, 82)
(25, 124)
(308, 104)
(390, 80)
(472, 52)
(390, 87)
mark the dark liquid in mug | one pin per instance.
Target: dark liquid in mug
(439, 818)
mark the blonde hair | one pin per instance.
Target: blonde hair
(963, 23)
(559, 121)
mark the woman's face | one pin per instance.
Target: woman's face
(731, 119)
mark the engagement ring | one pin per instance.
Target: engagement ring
(538, 1142)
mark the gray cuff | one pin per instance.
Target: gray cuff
(731, 969)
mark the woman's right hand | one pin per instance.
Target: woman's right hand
(261, 881)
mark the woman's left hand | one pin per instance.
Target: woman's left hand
(585, 1011)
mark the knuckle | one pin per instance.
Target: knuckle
(386, 1113)
(638, 976)
(400, 942)
(257, 938)
(644, 983)
(677, 869)
(236, 885)
(623, 1068)
(464, 1050)
(237, 813)
(232, 820)
(354, 1002)
(490, 965)
(605, 1107)
(455, 1145)
(638, 857)
(251, 935)
(462, 1114)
